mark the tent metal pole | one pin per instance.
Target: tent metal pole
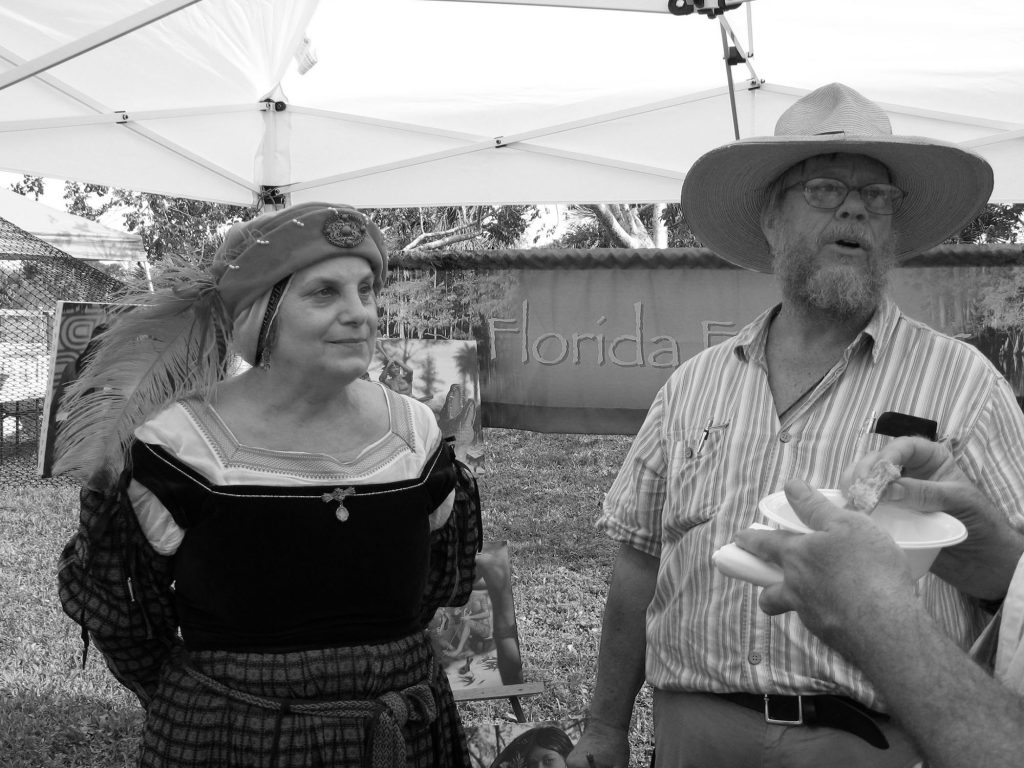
(606, 117)
(744, 55)
(732, 88)
(526, 135)
(121, 117)
(608, 162)
(94, 40)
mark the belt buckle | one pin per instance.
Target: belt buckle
(777, 721)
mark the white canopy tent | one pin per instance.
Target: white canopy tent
(427, 102)
(75, 235)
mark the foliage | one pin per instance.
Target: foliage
(997, 311)
(541, 493)
(29, 185)
(680, 235)
(192, 229)
(1001, 305)
(446, 304)
(627, 226)
(36, 284)
(464, 227)
(996, 224)
(633, 226)
(169, 226)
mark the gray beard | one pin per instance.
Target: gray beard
(845, 291)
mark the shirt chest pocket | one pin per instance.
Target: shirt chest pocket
(869, 443)
(696, 468)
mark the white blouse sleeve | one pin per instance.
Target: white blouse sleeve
(163, 534)
(429, 434)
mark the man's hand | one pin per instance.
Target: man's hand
(606, 746)
(836, 576)
(921, 459)
(983, 564)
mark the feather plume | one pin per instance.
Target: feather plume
(158, 348)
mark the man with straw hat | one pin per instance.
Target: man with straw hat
(828, 204)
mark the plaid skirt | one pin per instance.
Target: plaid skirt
(211, 709)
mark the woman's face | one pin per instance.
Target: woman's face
(544, 758)
(327, 321)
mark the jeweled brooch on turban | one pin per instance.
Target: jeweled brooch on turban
(345, 230)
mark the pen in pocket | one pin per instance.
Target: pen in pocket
(868, 425)
(706, 433)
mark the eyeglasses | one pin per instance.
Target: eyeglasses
(829, 194)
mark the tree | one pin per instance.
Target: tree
(29, 185)
(617, 225)
(429, 304)
(996, 224)
(464, 227)
(663, 226)
(169, 226)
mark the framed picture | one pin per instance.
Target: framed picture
(543, 744)
(75, 326)
(478, 643)
(446, 376)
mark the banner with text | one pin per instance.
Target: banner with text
(586, 350)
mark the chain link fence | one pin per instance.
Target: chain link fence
(34, 276)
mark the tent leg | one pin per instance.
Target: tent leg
(732, 88)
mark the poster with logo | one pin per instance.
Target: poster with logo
(444, 374)
(478, 643)
(75, 326)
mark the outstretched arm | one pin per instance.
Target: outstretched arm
(851, 586)
(983, 564)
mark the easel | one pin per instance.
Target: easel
(511, 692)
(494, 688)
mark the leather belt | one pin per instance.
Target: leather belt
(824, 710)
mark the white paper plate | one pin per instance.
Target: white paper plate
(908, 527)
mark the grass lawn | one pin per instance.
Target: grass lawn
(541, 493)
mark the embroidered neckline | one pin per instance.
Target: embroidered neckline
(232, 453)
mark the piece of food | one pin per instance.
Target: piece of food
(864, 492)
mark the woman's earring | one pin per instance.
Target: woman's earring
(264, 361)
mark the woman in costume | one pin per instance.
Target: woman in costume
(260, 553)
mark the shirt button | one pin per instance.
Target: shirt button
(755, 657)
(785, 437)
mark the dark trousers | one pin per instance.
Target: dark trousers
(697, 730)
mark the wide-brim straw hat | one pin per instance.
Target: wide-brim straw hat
(946, 186)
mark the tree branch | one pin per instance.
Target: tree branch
(607, 219)
(457, 238)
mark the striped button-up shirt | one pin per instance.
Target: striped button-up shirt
(705, 631)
